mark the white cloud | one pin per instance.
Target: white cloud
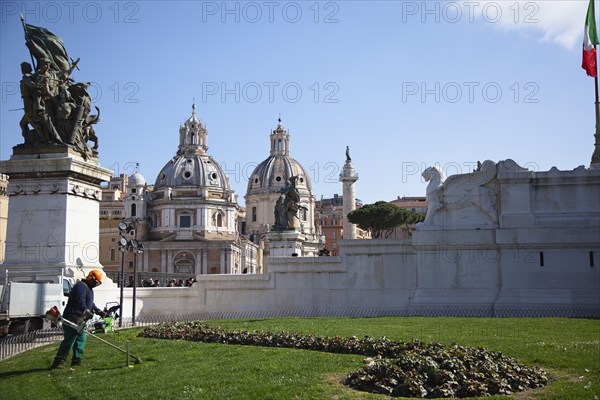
(559, 22)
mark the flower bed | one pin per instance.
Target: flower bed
(409, 369)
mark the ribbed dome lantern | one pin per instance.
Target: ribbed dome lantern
(272, 174)
(192, 166)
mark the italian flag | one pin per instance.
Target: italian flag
(590, 40)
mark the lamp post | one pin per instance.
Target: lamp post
(121, 283)
(134, 287)
(124, 230)
(137, 248)
(127, 227)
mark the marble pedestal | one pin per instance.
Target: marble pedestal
(285, 243)
(53, 215)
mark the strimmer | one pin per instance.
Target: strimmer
(54, 315)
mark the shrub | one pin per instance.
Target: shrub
(409, 369)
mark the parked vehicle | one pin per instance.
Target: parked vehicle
(23, 305)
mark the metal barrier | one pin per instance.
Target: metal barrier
(12, 345)
(162, 277)
(369, 313)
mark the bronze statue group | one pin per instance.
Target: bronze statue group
(55, 106)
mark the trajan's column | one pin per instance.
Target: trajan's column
(348, 177)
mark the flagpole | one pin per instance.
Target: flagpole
(589, 36)
(596, 154)
(25, 31)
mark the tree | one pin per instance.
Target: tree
(381, 218)
(412, 218)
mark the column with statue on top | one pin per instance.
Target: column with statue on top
(348, 177)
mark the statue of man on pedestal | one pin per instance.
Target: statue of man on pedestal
(287, 206)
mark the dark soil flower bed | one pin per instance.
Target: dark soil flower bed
(409, 369)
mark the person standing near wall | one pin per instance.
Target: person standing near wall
(80, 307)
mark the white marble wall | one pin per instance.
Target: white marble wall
(53, 212)
(483, 270)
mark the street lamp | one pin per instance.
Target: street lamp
(126, 229)
(137, 248)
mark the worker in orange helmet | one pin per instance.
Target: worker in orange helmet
(80, 307)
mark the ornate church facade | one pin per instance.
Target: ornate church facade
(188, 221)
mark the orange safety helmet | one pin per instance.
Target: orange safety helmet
(95, 275)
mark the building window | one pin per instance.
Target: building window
(334, 222)
(219, 220)
(133, 190)
(130, 264)
(333, 235)
(303, 214)
(133, 210)
(185, 221)
(253, 214)
(112, 254)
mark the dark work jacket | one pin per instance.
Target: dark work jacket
(80, 299)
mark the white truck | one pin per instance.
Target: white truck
(23, 305)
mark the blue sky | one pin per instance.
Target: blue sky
(406, 84)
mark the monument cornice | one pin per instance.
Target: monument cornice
(59, 166)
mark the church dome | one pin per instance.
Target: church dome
(273, 173)
(192, 166)
(192, 170)
(136, 179)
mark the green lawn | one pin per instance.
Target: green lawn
(569, 349)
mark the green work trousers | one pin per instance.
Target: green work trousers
(72, 341)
